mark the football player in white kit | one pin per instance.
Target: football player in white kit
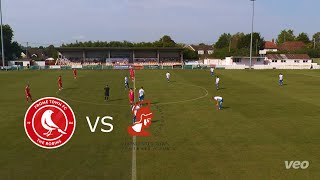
(219, 101)
(168, 76)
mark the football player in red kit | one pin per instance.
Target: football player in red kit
(28, 94)
(60, 83)
(131, 97)
(75, 73)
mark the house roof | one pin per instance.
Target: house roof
(287, 56)
(270, 45)
(291, 46)
(39, 52)
(201, 47)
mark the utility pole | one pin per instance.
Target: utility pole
(251, 33)
(230, 44)
(27, 50)
(256, 46)
(2, 48)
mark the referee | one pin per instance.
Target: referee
(106, 93)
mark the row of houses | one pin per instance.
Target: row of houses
(270, 61)
(269, 46)
(268, 57)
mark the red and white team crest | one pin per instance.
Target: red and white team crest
(143, 116)
(49, 122)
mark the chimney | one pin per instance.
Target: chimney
(272, 40)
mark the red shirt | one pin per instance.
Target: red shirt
(132, 74)
(60, 80)
(75, 72)
(27, 90)
(131, 95)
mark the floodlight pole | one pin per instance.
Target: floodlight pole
(251, 33)
(2, 48)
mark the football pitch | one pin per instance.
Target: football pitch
(261, 126)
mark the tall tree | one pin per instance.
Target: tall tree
(51, 52)
(303, 37)
(223, 41)
(316, 37)
(12, 50)
(286, 35)
(235, 39)
(257, 41)
(165, 41)
(15, 51)
(189, 54)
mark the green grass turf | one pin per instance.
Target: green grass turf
(262, 126)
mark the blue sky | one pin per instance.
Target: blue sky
(44, 22)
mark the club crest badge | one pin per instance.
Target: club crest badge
(142, 119)
(49, 122)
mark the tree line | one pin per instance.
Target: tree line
(165, 41)
(12, 49)
(237, 44)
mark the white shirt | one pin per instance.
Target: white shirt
(211, 69)
(141, 92)
(168, 75)
(281, 77)
(126, 79)
(217, 98)
(135, 109)
(217, 80)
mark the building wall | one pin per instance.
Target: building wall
(145, 54)
(245, 61)
(264, 52)
(214, 62)
(127, 54)
(169, 54)
(73, 54)
(23, 63)
(40, 63)
(96, 54)
(289, 62)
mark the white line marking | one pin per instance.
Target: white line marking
(134, 158)
(134, 140)
(165, 103)
(188, 100)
